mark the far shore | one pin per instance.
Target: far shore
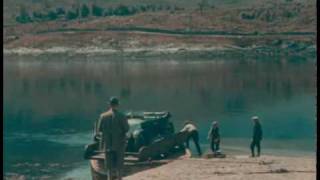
(97, 50)
(258, 29)
(160, 50)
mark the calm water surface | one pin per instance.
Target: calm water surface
(50, 104)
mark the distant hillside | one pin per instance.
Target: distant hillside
(12, 8)
(266, 24)
(232, 16)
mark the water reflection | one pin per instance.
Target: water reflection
(70, 95)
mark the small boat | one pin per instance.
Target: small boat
(151, 137)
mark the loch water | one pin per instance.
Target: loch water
(51, 102)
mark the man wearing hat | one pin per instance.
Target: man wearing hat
(113, 125)
(257, 136)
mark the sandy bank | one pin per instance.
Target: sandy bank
(233, 168)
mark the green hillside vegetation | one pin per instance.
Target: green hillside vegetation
(85, 11)
(142, 23)
(12, 8)
(273, 12)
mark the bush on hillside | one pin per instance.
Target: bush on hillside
(153, 8)
(143, 8)
(52, 15)
(134, 10)
(38, 16)
(108, 12)
(289, 14)
(97, 11)
(247, 16)
(122, 11)
(160, 8)
(24, 16)
(85, 11)
(60, 11)
(72, 15)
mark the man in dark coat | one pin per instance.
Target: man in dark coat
(113, 125)
(257, 136)
(214, 137)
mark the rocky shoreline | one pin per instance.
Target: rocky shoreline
(196, 51)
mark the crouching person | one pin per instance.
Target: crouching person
(193, 134)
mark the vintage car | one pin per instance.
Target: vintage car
(146, 128)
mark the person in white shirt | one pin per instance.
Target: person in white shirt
(193, 133)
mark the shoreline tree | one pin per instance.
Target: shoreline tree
(23, 16)
(97, 11)
(85, 11)
(202, 5)
(71, 15)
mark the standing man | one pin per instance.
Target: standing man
(113, 125)
(214, 137)
(193, 133)
(257, 136)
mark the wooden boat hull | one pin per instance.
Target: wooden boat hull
(160, 149)
(97, 171)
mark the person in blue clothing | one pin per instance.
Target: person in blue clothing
(257, 136)
(214, 137)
